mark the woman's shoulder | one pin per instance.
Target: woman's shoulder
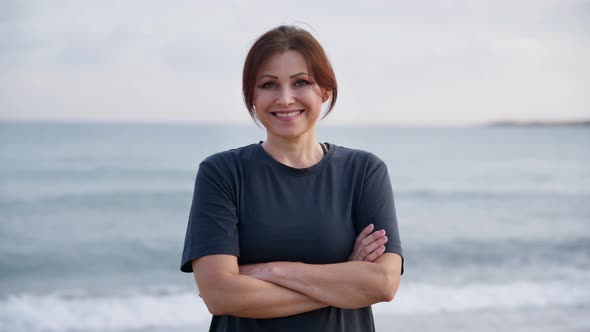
(232, 157)
(356, 155)
(356, 162)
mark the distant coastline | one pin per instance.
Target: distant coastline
(506, 123)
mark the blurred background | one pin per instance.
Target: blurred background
(479, 108)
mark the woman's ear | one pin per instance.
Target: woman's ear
(326, 95)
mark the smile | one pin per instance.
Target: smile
(287, 115)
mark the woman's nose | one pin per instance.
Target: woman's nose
(285, 96)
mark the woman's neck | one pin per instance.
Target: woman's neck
(301, 152)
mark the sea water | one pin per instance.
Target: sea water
(494, 221)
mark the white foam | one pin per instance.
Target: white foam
(429, 298)
(59, 312)
(177, 308)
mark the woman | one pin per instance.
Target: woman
(272, 228)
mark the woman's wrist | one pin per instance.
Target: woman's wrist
(280, 271)
(276, 271)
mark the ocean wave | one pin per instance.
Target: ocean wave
(174, 308)
(488, 192)
(430, 298)
(507, 252)
(66, 170)
(73, 311)
(103, 197)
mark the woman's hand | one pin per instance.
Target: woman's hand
(369, 245)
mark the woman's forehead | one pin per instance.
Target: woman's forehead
(287, 63)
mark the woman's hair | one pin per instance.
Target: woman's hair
(279, 40)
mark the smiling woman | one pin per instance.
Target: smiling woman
(291, 234)
(287, 101)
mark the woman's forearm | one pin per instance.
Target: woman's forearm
(226, 292)
(243, 296)
(344, 285)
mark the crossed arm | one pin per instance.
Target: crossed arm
(279, 289)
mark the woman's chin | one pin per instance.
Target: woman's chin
(288, 133)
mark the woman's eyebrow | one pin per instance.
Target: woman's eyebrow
(267, 75)
(298, 74)
(276, 77)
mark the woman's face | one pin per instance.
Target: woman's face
(286, 99)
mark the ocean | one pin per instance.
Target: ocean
(494, 222)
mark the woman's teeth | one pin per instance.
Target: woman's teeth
(286, 115)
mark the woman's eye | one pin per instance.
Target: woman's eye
(300, 83)
(268, 85)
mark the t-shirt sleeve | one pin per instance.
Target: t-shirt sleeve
(377, 207)
(213, 223)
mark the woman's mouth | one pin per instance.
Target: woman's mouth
(287, 115)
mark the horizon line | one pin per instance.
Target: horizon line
(490, 123)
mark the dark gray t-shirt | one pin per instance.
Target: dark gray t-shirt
(249, 205)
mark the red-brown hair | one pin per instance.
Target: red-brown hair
(281, 39)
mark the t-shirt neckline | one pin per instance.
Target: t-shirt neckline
(298, 171)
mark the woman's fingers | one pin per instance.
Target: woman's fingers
(368, 243)
(364, 233)
(375, 254)
(375, 236)
(371, 247)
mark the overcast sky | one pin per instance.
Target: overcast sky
(397, 62)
